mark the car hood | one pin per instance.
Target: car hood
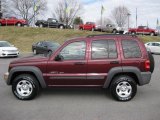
(8, 48)
(29, 59)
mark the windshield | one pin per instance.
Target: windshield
(5, 44)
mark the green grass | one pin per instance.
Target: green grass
(23, 37)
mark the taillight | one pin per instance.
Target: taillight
(147, 65)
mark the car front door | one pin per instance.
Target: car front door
(103, 57)
(68, 66)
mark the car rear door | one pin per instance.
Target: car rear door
(104, 55)
(71, 70)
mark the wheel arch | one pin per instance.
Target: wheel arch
(130, 71)
(26, 70)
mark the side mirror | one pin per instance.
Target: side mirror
(59, 58)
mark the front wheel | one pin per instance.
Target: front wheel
(123, 88)
(61, 27)
(25, 87)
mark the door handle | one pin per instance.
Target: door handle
(114, 62)
(79, 63)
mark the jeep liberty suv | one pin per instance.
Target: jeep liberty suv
(117, 62)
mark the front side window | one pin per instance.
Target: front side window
(102, 49)
(74, 51)
(131, 49)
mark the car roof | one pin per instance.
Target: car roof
(153, 42)
(103, 36)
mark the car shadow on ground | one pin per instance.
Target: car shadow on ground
(75, 92)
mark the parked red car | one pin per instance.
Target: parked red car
(143, 30)
(88, 26)
(12, 21)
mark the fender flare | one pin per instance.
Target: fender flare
(36, 71)
(121, 70)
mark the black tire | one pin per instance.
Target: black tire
(133, 33)
(19, 24)
(32, 86)
(114, 31)
(152, 63)
(92, 29)
(130, 87)
(34, 51)
(152, 34)
(61, 27)
(41, 25)
(81, 28)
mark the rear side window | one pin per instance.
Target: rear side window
(131, 49)
(102, 49)
(155, 44)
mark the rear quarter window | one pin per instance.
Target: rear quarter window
(131, 49)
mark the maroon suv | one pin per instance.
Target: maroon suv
(117, 62)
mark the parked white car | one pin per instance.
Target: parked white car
(154, 47)
(8, 50)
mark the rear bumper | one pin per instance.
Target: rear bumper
(145, 78)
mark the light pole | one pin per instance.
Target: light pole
(128, 15)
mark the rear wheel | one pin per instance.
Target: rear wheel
(19, 24)
(61, 27)
(114, 31)
(152, 34)
(25, 87)
(34, 51)
(133, 33)
(40, 25)
(123, 88)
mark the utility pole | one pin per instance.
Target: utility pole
(128, 14)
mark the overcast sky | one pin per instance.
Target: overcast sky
(148, 10)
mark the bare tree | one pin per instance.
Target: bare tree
(105, 21)
(67, 10)
(120, 15)
(4, 8)
(29, 9)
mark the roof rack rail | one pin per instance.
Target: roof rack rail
(112, 34)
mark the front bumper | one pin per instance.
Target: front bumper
(6, 75)
(9, 54)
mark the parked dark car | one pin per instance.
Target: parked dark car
(51, 22)
(117, 62)
(44, 47)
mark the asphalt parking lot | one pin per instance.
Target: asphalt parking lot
(80, 103)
